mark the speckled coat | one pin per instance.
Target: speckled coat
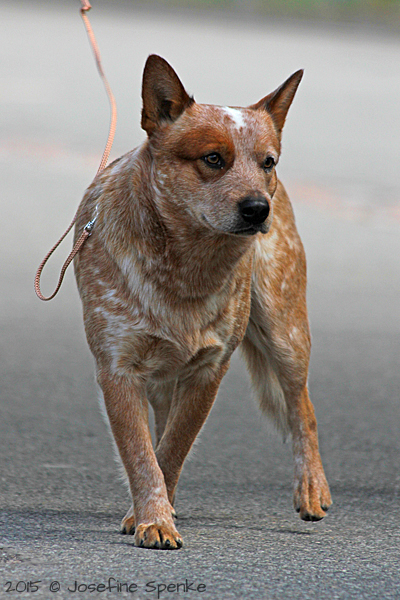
(175, 276)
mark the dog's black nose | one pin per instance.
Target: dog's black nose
(254, 209)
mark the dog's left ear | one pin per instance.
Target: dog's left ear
(164, 97)
(278, 102)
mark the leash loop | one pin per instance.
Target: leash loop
(88, 229)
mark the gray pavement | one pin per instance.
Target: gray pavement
(60, 496)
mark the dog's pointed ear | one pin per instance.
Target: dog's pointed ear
(164, 97)
(278, 102)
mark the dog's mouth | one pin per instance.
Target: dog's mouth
(245, 229)
(251, 229)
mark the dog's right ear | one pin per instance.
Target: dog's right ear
(164, 97)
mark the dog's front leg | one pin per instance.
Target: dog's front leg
(311, 492)
(127, 410)
(191, 404)
(280, 384)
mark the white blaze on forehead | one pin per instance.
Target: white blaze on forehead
(236, 115)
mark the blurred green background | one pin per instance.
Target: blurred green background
(384, 13)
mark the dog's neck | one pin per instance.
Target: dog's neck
(198, 262)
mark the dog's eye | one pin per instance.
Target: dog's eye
(269, 164)
(214, 160)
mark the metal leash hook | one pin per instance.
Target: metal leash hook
(89, 226)
(87, 230)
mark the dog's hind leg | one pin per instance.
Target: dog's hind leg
(192, 401)
(265, 383)
(159, 394)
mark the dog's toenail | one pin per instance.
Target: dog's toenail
(316, 518)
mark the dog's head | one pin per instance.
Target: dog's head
(215, 164)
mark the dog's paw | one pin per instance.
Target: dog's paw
(128, 526)
(312, 497)
(159, 536)
(128, 523)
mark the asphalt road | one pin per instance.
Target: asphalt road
(61, 499)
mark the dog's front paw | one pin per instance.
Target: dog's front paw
(312, 497)
(128, 522)
(158, 536)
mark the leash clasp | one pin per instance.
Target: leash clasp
(89, 226)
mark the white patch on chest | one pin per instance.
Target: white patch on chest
(236, 115)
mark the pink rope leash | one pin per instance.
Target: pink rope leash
(113, 122)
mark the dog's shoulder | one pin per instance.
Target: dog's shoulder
(279, 276)
(120, 199)
(282, 245)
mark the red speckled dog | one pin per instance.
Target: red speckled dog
(195, 251)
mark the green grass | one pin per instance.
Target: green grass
(379, 12)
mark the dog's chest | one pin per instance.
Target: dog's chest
(146, 334)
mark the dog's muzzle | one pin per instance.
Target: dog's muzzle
(254, 210)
